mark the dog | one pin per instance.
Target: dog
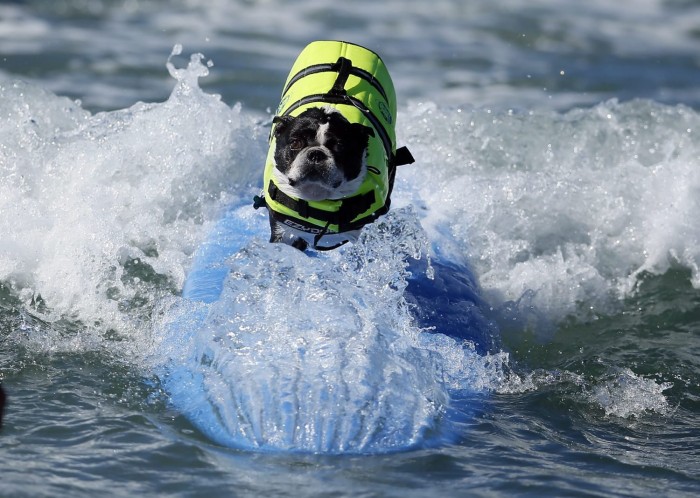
(319, 156)
(332, 157)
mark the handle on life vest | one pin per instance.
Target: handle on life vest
(342, 67)
(403, 156)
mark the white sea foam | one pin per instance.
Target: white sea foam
(82, 195)
(627, 395)
(557, 211)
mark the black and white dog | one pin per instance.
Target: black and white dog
(319, 155)
(332, 159)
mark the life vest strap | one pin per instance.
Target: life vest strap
(325, 67)
(403, 156)
(350, 208)
(343, 67)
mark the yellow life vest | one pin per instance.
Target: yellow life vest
(355, 81)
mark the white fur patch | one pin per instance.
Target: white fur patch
(329, 109)
(321, 133)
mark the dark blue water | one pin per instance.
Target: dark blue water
(524, 323)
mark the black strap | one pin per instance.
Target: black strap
(350, 208)
(403, 156)
(325, 67)
(342, 67)
(259, 201)
(317, 239)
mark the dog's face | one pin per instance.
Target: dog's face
(319, 154)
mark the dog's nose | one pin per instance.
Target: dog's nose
(316, 156)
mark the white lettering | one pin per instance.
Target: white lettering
(303, 228)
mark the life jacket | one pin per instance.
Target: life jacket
(354, 81)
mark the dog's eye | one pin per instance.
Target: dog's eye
(296, 144)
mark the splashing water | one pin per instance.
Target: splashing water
(317, 354)
(311, 354)
(330, 353)
(112, 202)
(627, 395)
(562, 232)
(556, 210)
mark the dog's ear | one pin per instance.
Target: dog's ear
(366, 131)
(281, 124)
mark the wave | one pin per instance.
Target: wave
(317, 354)
(507, 218)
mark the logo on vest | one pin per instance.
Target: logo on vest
(302, 228)
(386, 113)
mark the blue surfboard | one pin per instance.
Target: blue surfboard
(351, 351)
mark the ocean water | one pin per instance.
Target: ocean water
(525, 321)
